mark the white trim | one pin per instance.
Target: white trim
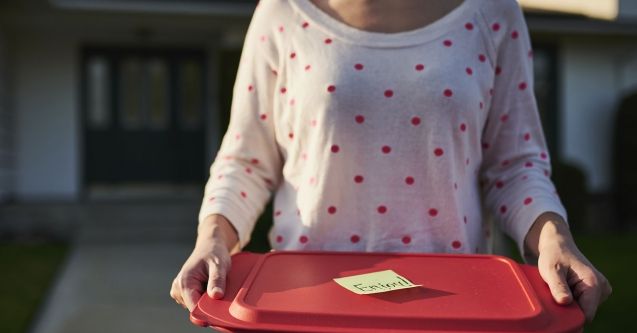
(601, 9)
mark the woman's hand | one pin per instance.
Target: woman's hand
(569, 275)
(208, 264)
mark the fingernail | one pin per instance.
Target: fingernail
(217, 293)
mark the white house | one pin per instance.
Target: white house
(93, 92)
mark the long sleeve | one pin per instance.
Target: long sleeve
(516, 168)
(248, 165)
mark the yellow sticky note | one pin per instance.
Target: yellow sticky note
(376, 282)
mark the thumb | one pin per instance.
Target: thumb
(555, 276)
(216, 281)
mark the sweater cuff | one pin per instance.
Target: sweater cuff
(234, 215)
(524, 218)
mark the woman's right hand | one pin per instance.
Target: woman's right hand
(206, 268)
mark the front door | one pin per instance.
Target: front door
(143, 112)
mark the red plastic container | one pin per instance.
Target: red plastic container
(294, 292)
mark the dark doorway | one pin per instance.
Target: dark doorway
(143, 112)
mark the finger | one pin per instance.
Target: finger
(588, 301)
(555, 276)
(191, 297)
(216, 282)
(175, 293)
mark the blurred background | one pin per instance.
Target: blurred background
(111, 112)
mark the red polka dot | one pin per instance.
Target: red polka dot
(281, 29)
(292, 55)
(505, 163)
(447, 43)
(528, 164)
(504, 118)
(528, 201)
(415, 120)
(382, 209)
(250, 88)
(305, 25)
(292, 102)
(335, 148)
(498, 70)
(544, 155)
(254, 161)
(358, 179)
(469, 70)
(448, 92)
(495, 26)
(307, 67)
(331, 210)
(482, 57)
(291, 136)
(220, 177)
(283, 90)
(263, 116)
(313, 123)
(328, 41)
(406, 240)
(515, 34)
(386, 149)
(499, 184)
(433, 212)
(468, 26)
(522, 85)
(359, 119)
(409, 180)
(527, 136)
(355, 239)
(277, 213)
(243, 194)
(211, 199)
(389, 93)
(279, 239)
(248, 170)
(331, 88)
(456, 244)
(303, 239)
(420, 67)
(358, 67)
(503, 209)
(438, 151)
(463, 127)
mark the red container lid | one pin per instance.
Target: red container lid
(295, 292)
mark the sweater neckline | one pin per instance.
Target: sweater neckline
(336, 28)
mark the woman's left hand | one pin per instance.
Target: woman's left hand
(569, 275)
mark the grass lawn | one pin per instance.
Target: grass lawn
(26, 274)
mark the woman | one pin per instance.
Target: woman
(381, 126)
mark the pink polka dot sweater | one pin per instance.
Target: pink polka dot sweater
(383, 141)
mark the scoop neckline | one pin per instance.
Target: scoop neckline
(336, 28)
